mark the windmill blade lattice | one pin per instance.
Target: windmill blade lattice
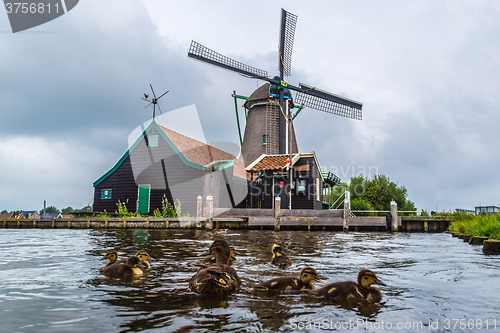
(202, 53)
(288, 23)
(327, 102)
(328, 106)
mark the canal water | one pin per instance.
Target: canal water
(50, 282)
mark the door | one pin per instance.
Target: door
(143, 199)
(281, 190)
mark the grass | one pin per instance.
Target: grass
(483, 225)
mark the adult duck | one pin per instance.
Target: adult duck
(350, 291)
(219, 277)
(290, 283)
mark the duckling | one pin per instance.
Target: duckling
(217, 278)
(288, 283)
(128, 269)
(352, 291)
(232, 259)
(279, 258)
(220, 231)
(111, 256)
(143, 256)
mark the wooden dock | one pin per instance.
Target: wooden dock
(261, 219)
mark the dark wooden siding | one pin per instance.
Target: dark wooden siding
(263, 193)
(159, 167)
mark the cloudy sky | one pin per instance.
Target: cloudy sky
(427, 73)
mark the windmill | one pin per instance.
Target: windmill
(277, 139)
(153, 101)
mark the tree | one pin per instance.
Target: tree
(361, 204)
(67, 211)
(3, 212)
(50, 210)
(379, 192)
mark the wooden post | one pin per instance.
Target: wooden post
(210, 213)
(347, 208)
(394, 213)
(199, 211)
(277, 212)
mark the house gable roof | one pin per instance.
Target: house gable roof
(192, 152)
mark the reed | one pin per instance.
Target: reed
(483, 225)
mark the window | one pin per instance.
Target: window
(152, 141)
(106, 194)
(317, 190)
(264, 142)
(301, 186)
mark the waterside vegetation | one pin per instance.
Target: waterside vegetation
(479, 226)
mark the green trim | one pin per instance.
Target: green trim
(220, 161)
(298, 111)
(177, 151)
(238, 118)
(139, 140)
(106, 194)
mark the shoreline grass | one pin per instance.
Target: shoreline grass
(472, 225)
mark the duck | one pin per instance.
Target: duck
(279, 258)
(128, 269)
(350, 291)
(219, 277)
(143, 256)
(111, 256)
(289, 283)
(220, 231)
(232, 259)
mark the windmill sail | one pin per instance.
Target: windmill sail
(288, 23)
(327, 102)
(202, 53)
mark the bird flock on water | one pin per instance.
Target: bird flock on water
(216, 276)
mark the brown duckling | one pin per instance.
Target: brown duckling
(212, 260)
(288, 283)
(352, 291)
(219, 277)
(111, 256)
(279, 258)
(128, 269)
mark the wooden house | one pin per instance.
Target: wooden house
(269, 179)
(163, 163)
